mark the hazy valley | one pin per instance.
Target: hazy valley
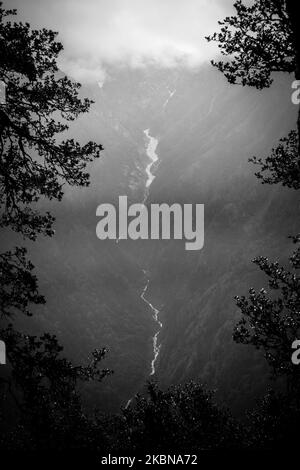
(206, 131)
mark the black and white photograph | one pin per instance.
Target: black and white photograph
(150, 235)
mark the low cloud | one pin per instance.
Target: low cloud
(127, 32)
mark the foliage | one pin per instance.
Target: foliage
(182, 419)
(258, 40)
(272, 324)
(19, 286)
(33, 161)
(273, 424)
(282, 166)
(261, 38)
(44, 388)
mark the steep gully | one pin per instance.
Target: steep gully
(151, 153)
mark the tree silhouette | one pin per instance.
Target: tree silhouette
(273, 323)
(259, 39)
(282, 166)
(182, 419)
(19, 287)
(35, 163)
(44, 386)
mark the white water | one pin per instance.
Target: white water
(156, 346)
(151, 153)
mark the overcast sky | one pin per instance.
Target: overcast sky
(134, 32)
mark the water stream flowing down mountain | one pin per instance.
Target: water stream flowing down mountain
(151, 152)
(156, 346)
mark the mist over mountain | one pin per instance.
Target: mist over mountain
(206, 131)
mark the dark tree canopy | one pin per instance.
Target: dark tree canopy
(274, 423)
(19, 286)
(44, 387)
(272, 322)
(282, 166)
(35, 163)
(258, 40)
(39, 104)
(261, 38)
(174, 420)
